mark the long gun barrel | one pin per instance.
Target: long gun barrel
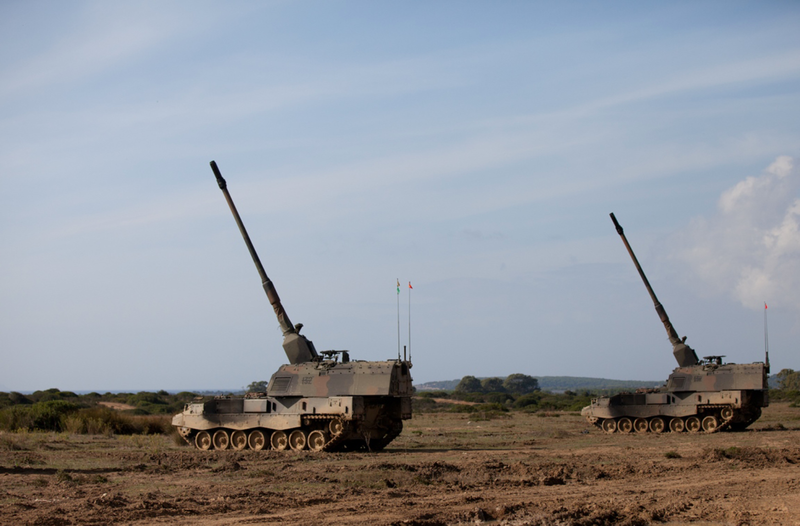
(684, 354)
(298, 348)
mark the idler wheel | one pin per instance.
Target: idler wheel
(657, 425)
(625, 425)
(640, 425)
(316, 440)
(609, 425)
(726, 413)
(710, 424)
(336, 426)
(297, 440)
(693, 424)
(203, 440)
(238, 440)
(256, 440)
(279, 440)
(221, 440)
(676, 425)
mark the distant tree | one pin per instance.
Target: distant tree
(789, 380)
(18, 398)
(529, 401)
(469, 384)
(521, 384)
(492, 385)
(257, 387)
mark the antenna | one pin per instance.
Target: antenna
(398, 319)
(409, 319)
(766, 339)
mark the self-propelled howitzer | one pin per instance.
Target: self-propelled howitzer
(700, 395)
(319, 401)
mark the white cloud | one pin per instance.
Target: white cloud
(751, 248)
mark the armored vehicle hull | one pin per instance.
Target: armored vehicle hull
(705, 398)
(319, 401)
(304, 408)
(699, 396)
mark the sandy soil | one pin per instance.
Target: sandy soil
(443, 469)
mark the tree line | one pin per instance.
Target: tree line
(513, 384)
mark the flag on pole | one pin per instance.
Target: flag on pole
(409, 285)
(398, 286)
(765, 306)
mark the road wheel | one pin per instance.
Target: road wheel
(710, 424)
(221, 440)
(203, 440)
(316, 440)
(726, 413)
(279, 440)
(609, 425)
(676, 425)
(657, 425)
(336, 426)
(625, 425)
(693, 424)
(239, 440)
(640, 425)
(297, 440)
(256, 440)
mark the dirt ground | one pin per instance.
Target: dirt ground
(443, 469)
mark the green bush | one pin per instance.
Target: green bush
(145, 398)
(498, 398)
(789, 380)
(15, 418)
(18, 398)
(41, 416)
(785, 395)
(105, 421)
(434, 394)
(528, 401)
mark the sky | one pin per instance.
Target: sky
(473, 149)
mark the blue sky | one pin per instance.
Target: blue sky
(472, 148)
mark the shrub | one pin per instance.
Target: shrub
(434, 394)
(528, 401)
(18, 398)
(41, 416)
(498, 398)
(424, 405)
(145, 398)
